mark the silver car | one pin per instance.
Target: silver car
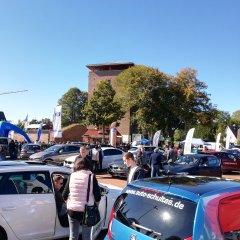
(56, 153)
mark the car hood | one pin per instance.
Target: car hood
(41, 154)
(178, 168)
(72, 158)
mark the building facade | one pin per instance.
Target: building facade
(109, 71)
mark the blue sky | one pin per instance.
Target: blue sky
(45, 46)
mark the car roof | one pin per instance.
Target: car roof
(190, 186)
(197, 155)
(105, 148)
(33, 167)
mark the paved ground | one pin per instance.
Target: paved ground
(121, 182)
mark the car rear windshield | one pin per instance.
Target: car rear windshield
(166, 215)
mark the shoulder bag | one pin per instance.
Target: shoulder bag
(91, 213)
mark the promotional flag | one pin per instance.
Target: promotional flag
(11, 134)
(227, 137)
(230, 138)
(218, 142)
(26, 123)
(188, 141)
(57, 128)
(39, 132)
(156, 138)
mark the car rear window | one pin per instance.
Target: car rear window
(164, 214)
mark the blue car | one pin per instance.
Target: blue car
(177, 208)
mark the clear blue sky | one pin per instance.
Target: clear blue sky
(45, 46)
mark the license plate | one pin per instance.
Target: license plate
(30, 152)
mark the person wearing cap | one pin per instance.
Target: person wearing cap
(156, 162)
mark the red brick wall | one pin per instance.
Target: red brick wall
(94, 78)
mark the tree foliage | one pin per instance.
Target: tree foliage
(73, 103)
(102, 108)
(235, 118)
(159, 101)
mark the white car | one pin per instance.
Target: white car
(27, 203)
(110, 154)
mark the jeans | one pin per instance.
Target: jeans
(74, 226)
(155, 170)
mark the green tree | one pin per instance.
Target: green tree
(235, 118)
(73, 103)
(102, 108)
(143, 91)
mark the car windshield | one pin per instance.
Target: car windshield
(53, 148)
(187, 160)
(156, 214)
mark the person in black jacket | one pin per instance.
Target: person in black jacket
(135, 171)
(156, 162)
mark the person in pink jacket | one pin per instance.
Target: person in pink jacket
(77, 198)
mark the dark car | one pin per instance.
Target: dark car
(230, 161)
(29, 149)
(195, 164)
(56, 153)
(177, 208)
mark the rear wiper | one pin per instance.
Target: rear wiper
(149, 232)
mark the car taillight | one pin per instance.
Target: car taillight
(38, 150)
(110, 224)
(23, 150)
(188, 238)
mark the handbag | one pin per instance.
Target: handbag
(91, 213)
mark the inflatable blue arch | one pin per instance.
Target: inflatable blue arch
(5, 127)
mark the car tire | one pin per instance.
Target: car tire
(3, 235)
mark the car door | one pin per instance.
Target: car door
(26, 202)
(210, 166)
(103, 213)
(68, 151)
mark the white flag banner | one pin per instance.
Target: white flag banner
(57, 123)
(156, 138)
(11, 134)
(218, 142)
(230, 138)
(227, 137)
(188, 141)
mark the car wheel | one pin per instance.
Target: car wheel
(3, 235)
(48, 161)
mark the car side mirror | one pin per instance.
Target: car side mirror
(60, 151)
(104, 191)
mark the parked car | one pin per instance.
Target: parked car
(27, 198)
(195, 164)
(29, 149)
(118, 169)
(177, 207)
(136, 149)
(110, 155)
(229, 160)
(56, 153)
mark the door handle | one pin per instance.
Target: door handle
(10, 208)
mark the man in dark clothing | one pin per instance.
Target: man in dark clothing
(135, 171)
(11, 147)
(156, 162)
